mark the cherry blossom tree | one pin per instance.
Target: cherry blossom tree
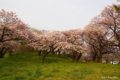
(98, 40)
(109, 19)
(10, 25)
(93, 52)
(69, 48)
(8, 46)
(71, 43)
(12, 29)
(46, 42)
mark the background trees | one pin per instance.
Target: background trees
(101, 36)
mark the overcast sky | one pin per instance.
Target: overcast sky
(56, 14)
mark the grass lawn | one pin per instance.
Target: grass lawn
(27, 66)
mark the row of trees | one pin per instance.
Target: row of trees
(54, 42)
(101, 36)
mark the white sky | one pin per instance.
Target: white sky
(56, 14)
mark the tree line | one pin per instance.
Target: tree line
(101, 36)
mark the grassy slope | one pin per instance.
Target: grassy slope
(27, 66)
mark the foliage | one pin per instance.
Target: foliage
(12, 32)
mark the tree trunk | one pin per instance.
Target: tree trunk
(39, 53)
(100, 58)
(52, 52)
(32, 49)
(58, 54)
(5, 50)
(42, 59)
(1, 52)
(78, 57)
(87, 59)
(55, 52)
(97, 59)
(73, 57)
(107, 61)
(10, 53)
(94, 58)
(1, 56)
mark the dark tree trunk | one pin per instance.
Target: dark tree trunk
(5, 50)
(32, 49)
(95, 56)
(42, 51)
(97, 59)
(10, 53)
(42, 59)
(39, 53)
(1, 52)
(100, 58)
(1, 56)
(73, 57)
(58, 54)
(52, 52)
(86, 59)
(78, 57)
(107, 61)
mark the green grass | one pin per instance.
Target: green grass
(27, 66)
